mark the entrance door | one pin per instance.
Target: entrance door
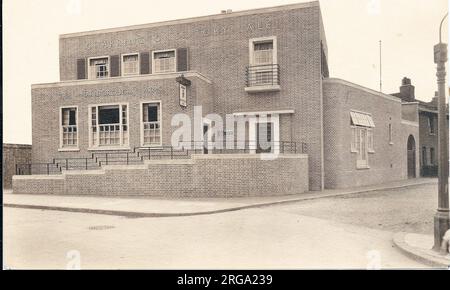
(264, 137)
(411, 157)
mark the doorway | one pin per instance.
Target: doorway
(411, 157)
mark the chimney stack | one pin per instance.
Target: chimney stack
(407, 90)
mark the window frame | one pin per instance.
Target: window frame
(359, 163)
(141, 123)
(165, 50)
(122, 73)
(391, 134)
(424, 156)
(97, 146)
(431, 127)
(89, 66)
(251, 48)
(370, 141)
(63, 147)
(432, 156)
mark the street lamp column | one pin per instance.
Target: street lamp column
(442, 216)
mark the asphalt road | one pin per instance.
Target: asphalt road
(345, 232)
(408, 209)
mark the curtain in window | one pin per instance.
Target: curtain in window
(164, 54)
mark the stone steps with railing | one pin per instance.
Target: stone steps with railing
(139, 154)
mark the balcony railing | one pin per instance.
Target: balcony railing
(265, 76)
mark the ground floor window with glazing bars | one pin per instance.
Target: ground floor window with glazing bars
(109, 125)
(151, 124)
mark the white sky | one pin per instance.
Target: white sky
(407, 28)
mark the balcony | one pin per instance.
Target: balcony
(262, 78)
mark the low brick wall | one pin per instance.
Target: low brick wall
(31, 184)
(14, 154)
(213, 175)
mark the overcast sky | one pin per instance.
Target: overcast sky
(408, 30)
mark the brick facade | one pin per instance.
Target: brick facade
(388, 162)
(213, 53)
(213, 175)
(428, 127)
(14, 154)
(218, 48)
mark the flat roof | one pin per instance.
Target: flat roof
(195, 19)
(356, 86)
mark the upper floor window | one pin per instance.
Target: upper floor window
(263, 51)
(431, 125)
(164, 61)
(69, 134)
(130, 64)
(98, 68)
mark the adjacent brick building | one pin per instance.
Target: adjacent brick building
(120, 88)
(13, 154)
(428, 128)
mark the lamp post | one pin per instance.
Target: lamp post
(442, 216)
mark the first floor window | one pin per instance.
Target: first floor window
(69, 134)
(431, 125)
(130, 64)
(109, 125)
(164, 61)
(98, 68)
(151, 124)
(263, 52)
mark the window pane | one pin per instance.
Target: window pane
(108, 115)
(72, 117)
(264, 45)
(152, 113)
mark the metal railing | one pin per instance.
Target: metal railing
(262, 75)
(184, 150)
(37, 168)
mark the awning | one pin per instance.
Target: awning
(362, 119)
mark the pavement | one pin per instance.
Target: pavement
(419, 247)
(197, 236)
(134, 206)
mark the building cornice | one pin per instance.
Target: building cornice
(194, 19)
(359, 87)
(121, 79)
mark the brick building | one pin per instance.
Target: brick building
(428, 126)
(120, 89)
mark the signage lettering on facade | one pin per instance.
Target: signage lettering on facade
(183, 96)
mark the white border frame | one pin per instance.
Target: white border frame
(96, 57)
(164, 50)
(61, 147)
(97, 147)
(138, 64)
(141, 123)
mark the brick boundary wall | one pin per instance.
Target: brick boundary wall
(215, 175)
(13, 154)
